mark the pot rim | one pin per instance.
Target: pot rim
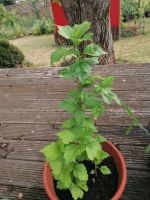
(119, 162)
(120, 166)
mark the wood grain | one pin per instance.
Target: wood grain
(30, 118)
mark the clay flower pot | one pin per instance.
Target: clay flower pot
(121, 169)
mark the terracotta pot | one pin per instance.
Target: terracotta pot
(120, 164)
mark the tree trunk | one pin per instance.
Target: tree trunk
(98, 13)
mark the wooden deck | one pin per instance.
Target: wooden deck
(29, 118)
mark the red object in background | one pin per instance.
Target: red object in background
(115, 13)
(61, 20)
(58, 15)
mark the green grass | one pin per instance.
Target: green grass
(37, 49)
(134, 49)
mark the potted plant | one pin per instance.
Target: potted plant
(82, 162)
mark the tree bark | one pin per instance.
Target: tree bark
(98, 13)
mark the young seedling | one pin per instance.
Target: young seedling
(79, 141)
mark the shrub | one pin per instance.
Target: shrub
(10, 56)
(27, 22)
(147, 7)
(43, 26)
(7, 2)
(129, 9)
(128, 31)
(13, 26)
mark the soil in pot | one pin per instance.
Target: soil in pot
(101, 187)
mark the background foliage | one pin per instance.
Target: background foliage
(7, 2)
(10, 55)
(14, 26)
(133, 10)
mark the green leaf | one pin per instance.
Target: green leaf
(130, 128)
(90, 100)
(87, 83)
(93, 104)
(69, 123)
(68, 105)
(105, 170)
(67, 73)
(108, 81)
(92, 172)
(66, 136)
(82, 185)
(76, 192)
(51, 152)
(93, 50)
(79, 116)
(107, 95)
(116, 99)
(61, 53)
(106, 99)
(87, 37)
(132, 116)
(56, 166)
(65, 31)
(71, 152)
(104, 155)
(89, 124)
(92, 149)
(75, 93)
(92, 61)
(60, 185)
(101, 155)
(80, 172)
(80, 30)
(80, 69)
(100, 138)
(65, 178)
(77, 33)
(148, 149)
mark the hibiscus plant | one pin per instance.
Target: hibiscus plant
(79, 140)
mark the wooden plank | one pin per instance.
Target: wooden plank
(22, 150)
(27, 131)
(46, 132)
(12, 193)
(135, 156)
(18, 177)
(138, 185)
(118, 67)
(44, 93)
(140, 82)
(53, 105)
(28, 98)
(110, 118)
(115, 71)
(21, 173)
(20, 71)
(62, 86)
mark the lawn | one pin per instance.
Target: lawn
(133, 49)
(37, 49)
